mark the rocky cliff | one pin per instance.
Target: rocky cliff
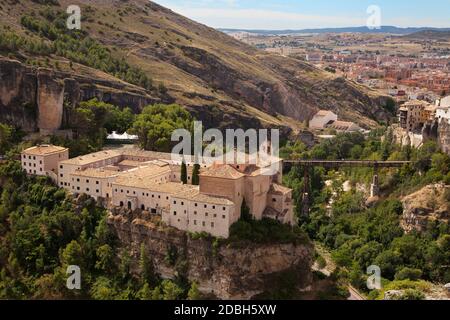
(430, 204)
(444, 136)
(224, 271)
(36, 98)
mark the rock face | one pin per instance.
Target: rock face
(224, 271)
(444, 136)
(18, 95)
(429, 204)
(50, 101)
(36, 98)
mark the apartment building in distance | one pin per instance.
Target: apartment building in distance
(151, 181)
(414, 114)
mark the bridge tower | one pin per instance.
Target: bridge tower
(375, 186)
(306, 192)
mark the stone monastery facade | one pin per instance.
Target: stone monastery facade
(144, 180)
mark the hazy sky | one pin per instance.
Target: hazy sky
(299, 14)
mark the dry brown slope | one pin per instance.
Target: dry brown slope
(214, 75)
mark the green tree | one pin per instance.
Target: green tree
(103, 289)
(245, 212)
(157, 294)
(408, 274)
(146, 266)
(145, 293)
(184, 176)
(155, 125)
(105, 258)
(194, 293)
(195, 174)
(170, 290)
(5, 138)
(72, 254)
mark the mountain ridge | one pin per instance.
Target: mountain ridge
(361, 29)
(221, 80)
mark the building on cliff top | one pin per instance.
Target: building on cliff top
(136, 179)
(43, 159)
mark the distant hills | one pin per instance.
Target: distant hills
(429, 34)
(364, 29)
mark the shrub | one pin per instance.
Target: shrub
(266, 231)
(408, 274)
(412, 294)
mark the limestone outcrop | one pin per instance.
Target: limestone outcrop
(224, 271)
(36, 98)
(444, 136)
(429, 204)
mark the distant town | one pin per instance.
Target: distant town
(405, 67)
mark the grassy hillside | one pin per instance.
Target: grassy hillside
(215, 76)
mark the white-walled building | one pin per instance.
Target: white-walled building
(321, 119)
(443, 113)
(42, 160)
(151, 181)
(443, 109)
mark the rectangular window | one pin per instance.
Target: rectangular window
(212, 224)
